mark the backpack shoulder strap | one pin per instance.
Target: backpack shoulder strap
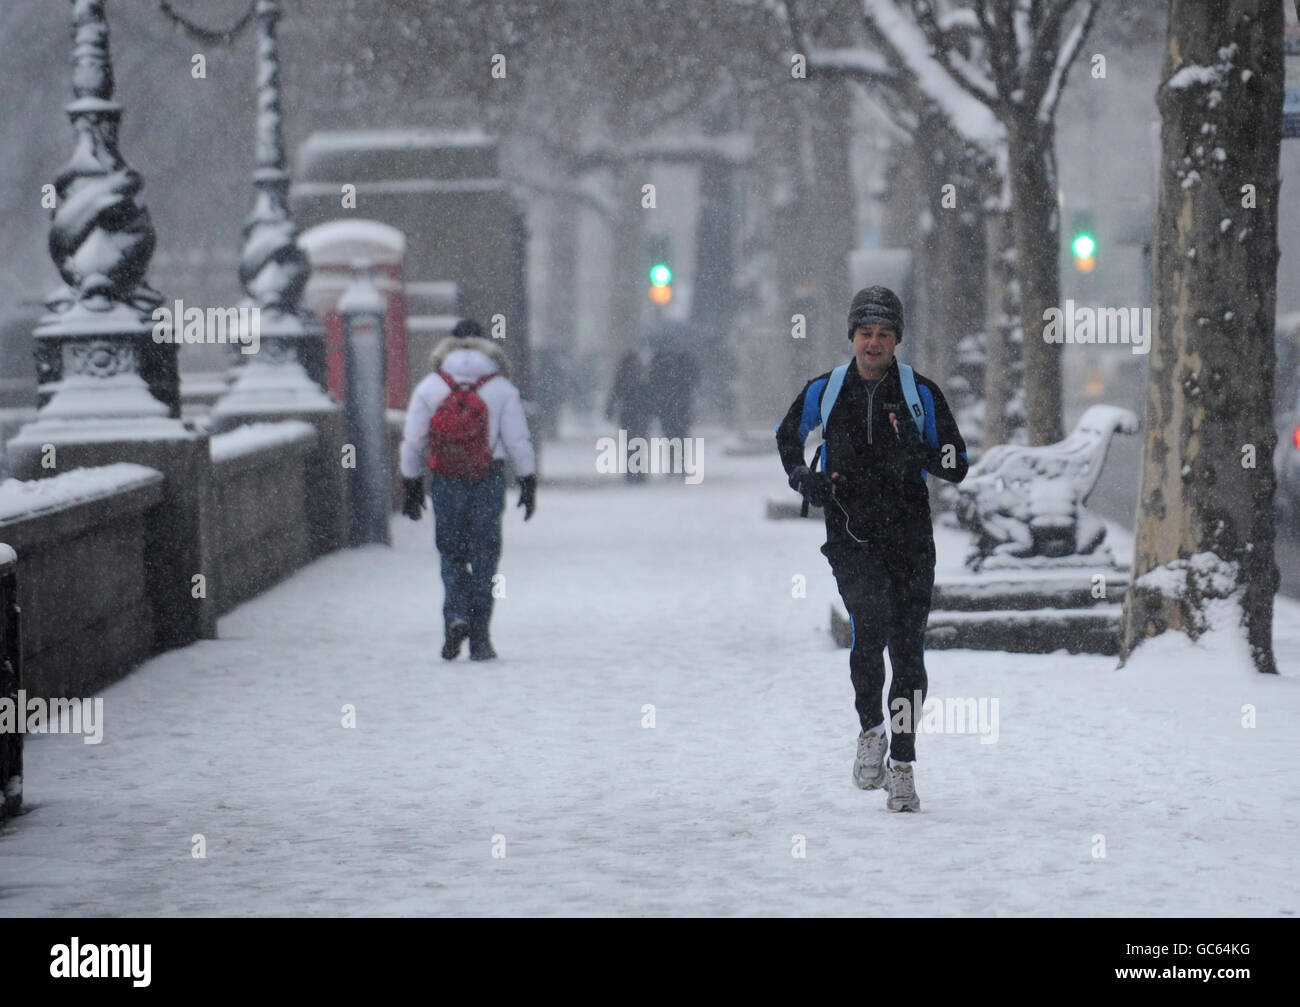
(484, 380)
(907, 379)
(833, 385)
(451, 382)
(832, 392)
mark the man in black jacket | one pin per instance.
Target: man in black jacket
(884, 427)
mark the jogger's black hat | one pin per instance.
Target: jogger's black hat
(876, 306)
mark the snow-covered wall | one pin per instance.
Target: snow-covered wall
(81, 540)
(255, 437)
(260, 492)
(91, 545)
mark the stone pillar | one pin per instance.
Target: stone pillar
(280, 375)
(363, 309)
(111, 392)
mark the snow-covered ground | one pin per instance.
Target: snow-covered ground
(618, 598)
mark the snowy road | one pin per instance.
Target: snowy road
(673, 596)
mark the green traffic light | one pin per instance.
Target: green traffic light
(1084, 247)
(661, 275)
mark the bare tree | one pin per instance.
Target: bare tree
(995, 69)
(936, 120)
(1204, 542)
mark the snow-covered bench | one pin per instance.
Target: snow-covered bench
(1025, 505)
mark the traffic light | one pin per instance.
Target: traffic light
(661, 283)
(661, 274)
(1083, 243)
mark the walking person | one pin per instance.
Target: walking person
(884, 427)
(632, 398)
(464, 420)
(674, 375)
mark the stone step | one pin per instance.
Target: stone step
(1069, 590)
(1034, 631)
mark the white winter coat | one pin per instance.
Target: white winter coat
(508, 435)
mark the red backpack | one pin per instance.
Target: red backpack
(458, 432)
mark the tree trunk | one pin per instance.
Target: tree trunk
(1036, 226)
(834, 208)
(560, 303)
(628, 279)
(713, 297)
(1003, 391)
(951, 279)
(790, 203)
(1206, 501)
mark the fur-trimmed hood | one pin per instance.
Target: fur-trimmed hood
(488, 347)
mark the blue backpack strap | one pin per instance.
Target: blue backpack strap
(921, 406)
(907, 378)
(811, 419)
(931, 429)
(833, 385)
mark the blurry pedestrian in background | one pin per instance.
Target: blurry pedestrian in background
(674, 375)
(632, 397)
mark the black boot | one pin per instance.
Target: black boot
(457, 631)
(480, 616)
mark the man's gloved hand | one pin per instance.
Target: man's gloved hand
(812, 485)
(912, 449)
(527, 495)
(413, 505)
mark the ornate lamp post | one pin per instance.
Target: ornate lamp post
(114, 389)
(287, 373)
(95, 353)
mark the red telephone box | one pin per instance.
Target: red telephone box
(333, 249)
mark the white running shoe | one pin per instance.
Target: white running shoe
(902, 788)
(869, 766)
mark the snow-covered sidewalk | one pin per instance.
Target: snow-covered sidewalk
(621, 603)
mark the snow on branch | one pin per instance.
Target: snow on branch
(970, 116)
(1064, 58)
(1024, 35)
(956, 18)
(899, 121)
(942, 46)
(855, 62)
(860, 63)
(977, 80)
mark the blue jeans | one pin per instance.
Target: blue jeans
(467, 532)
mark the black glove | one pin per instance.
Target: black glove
(912, 450)
(812, 485)
(527, 495)
(413, 505)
